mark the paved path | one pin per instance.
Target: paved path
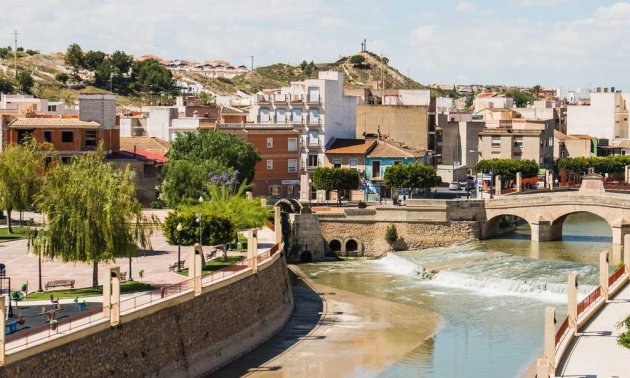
(595, 352)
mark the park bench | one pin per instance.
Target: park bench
(173, 266)
(59, 283)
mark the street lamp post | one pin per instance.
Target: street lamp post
(179, 247)
(199, 221)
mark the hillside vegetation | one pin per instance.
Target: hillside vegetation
(45, 70)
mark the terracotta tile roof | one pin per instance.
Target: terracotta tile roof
(388, 150)
(70, 123)
(581, 136)
(148, 144)
(350, 146)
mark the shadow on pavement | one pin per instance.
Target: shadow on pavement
(305, 317)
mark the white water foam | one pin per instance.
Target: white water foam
(482, 284)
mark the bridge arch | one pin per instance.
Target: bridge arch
(501, 224)
(335, 245)
(557, 225)
(352, 246)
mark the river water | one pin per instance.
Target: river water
(490, 294)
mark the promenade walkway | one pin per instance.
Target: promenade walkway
(595, 352)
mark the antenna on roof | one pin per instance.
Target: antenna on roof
(15, 34)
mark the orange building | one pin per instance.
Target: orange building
(277, 174)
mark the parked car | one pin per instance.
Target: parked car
(454, 185)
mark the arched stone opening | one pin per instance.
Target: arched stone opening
(306, 257)
(352, 245)
(599, 228)
(506, 225)
(334, 245)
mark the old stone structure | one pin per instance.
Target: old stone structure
(185, 336)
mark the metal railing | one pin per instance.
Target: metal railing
(589, 300)
(618, 274)
(130, 304)
(23, 338)
(562, 330)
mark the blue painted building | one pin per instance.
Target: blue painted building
(382, 156)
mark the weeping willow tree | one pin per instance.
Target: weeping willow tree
(92, 214)
(22, 171)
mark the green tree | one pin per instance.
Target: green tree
(410, 176)
(507, 168)
(74, 57)
(206, 98)
(357, 60)
(32, 52)
(186, 180)
(470, 100)
(6, 86)
(5, 52)
(391, 235)
(224, 149)
(121, 61)
(92, 59)
(536, 90)
(62, 77)
(521, 98)
(102, 74)
(25, 81)
(150, 76)
(92, 214)
(215, 229)
(335, 179)
(22, 171)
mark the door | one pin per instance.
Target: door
(376, 169)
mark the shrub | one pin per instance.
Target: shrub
(391, 235)
(357, 60)
(62, 77)
(156, 205)
(362, 205)
(216, 229)
(624, 338)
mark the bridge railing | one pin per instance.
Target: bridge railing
(589, 300)
(616, 276)
(562, 330)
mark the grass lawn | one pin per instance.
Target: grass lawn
(125, 287)
(216, 264)
(18, 233)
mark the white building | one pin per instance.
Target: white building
(164, 122)
(316, 107)
(606, 117)
(492, 101)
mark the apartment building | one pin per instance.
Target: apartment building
(526, 139)
(547, 109)
(19, 104)
(605, 118)
(492, 100)
(277, 173)
(96, 125)
(317, 108)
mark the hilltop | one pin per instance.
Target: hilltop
(45, 67)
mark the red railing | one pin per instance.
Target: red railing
(589, 300)
(616, 276)
(616, 186)
(160, 293)
(22, 338)
(562, 330)
(508, 190)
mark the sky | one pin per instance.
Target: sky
(553, 43)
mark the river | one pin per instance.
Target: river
(490, 295)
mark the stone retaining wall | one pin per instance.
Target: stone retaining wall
(413, 235)
(190, 338)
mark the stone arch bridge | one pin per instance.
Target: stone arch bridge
(546, 213)
(429, 223)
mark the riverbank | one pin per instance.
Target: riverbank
(335, 333)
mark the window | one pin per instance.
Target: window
(281, 116)
(550, 141)
(313, 115)
(496, 142)
(313, 138)
(269, 164)
(67, 136)
(292, 165)
(91, 138)
(269, 142)
(264, 114)
(354, 163)
(23, 134)
(518, 142)
(48, 136)
(292, 144)
(337, 163)
(275, 190)
(297, 115)
(312, 160)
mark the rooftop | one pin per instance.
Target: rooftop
(70, 123)
(351, 146)
(388, 150)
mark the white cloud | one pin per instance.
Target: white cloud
(423, 33)
(533, 3)
(465, 6)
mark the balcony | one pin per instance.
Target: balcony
(262, 99)
(313, 99)
(296, 98)
(314, 122)
(280, 99)
(261, 126)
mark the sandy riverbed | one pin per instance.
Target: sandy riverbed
(355, 335)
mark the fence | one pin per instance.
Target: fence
(562, 330)
(24, 338)
(616, 276)
(589, 300)
(64, 325)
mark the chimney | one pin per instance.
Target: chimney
(605, 89)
